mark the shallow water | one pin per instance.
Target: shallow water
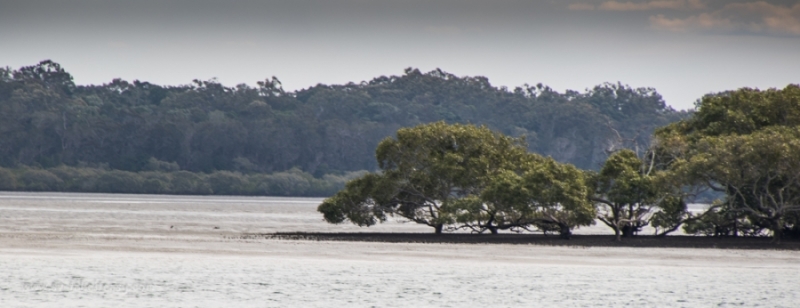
(94, 250)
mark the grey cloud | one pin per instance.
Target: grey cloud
(758, 17)
(640, 6)
(581, 6)
(652, 5)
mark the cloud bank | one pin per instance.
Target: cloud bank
(581, 6)
(640, 6)
(752, 17)
(652, 5)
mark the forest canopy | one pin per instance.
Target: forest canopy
(46, 120)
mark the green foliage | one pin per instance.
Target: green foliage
(154, 164)
(671, 214)
(719, 221)
(541, 193)
(759, 171)
(364, 201)
(424, 170)
(463, 176)
(185, 182)
(86, 179)
(288, 183)
(78, 179)
(740, 112)
(117, 181)
(622, 179)
(629, 194)
(226, 183)
(40, 180)
(7, 180)
(745, 143)
(156, 182)
(47, 121)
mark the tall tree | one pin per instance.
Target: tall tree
(759, 171)
(742, 143)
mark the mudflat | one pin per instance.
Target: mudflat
(585, 240)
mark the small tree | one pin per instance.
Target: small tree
(625, 193)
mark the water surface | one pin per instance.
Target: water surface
(97, 250)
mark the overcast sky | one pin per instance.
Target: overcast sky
(682, 48)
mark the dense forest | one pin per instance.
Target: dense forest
(47, 121)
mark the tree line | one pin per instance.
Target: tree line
(46, 120)
(743, 144)
(165, 178)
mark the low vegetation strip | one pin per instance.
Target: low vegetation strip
(293, 182)
(539, 239)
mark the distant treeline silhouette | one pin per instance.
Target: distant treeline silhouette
(46, 120)
(292, 182)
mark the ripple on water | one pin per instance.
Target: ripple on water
(206, 281)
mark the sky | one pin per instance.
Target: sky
(682, 48)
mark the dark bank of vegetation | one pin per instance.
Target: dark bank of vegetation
(744, 144)
(47, 121)
(538, 239)
(169, 180)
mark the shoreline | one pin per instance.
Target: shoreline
(648, 241)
